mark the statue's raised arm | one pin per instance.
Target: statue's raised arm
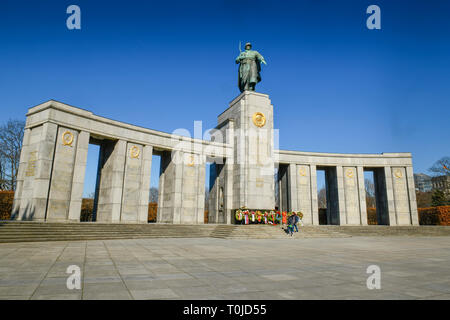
(249, 68)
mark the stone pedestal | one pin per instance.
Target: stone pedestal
(254, 158)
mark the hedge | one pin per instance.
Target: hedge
(152, 209)
(372, 216)
(87, 206)
(6, 203)
(435, 216)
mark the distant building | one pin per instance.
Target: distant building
(442, 183)
(423, 182)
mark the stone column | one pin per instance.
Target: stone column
(362, 196)
(183, 188)
(214, 185)
(351, 189)
(21, 175)
(304, 196)
(79, 173)
(228, 176)
(412, 196)
(144, 199)
(170, 187)
(390, 203)
(401, 198)
(314, 200)
(131, 183)
(341, 195)
(191, 186)
(38, 168)
(136, 185)
(177, 185)
(201, 176)
(62, 175)
(292, 187)
(228, 191)
(111, 181)
(221, 192)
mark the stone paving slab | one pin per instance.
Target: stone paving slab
(207, 268)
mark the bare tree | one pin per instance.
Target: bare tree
(153, 195)
(370, 193)
(91, 195)
(322, 198)
(424, 199)
(2, 177)
(441, 167)
(11, 137)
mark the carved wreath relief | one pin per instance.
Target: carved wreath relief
(134, 152)
(398, 173)
(67, 138)
(302, 171)
(350, 173)
(259, 119)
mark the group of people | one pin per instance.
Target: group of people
(292, 222)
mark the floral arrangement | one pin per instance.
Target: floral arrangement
(246, 216)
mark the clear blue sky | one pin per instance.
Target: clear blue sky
(335, 85)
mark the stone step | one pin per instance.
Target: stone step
(79, 238)
(21, 234)
(15, 231)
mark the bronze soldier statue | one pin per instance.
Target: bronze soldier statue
(249, 68)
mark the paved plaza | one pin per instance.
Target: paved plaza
(315, 268)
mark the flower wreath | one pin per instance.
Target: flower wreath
(253, 214)
(239, 215)
(259, 216)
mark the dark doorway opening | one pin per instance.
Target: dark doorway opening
(327, 195)
(153, 197)
(371, 205)
(215, 193)
(322, 196)
(375, 185)
(283, 201)
(91, 182)
(210, 177)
